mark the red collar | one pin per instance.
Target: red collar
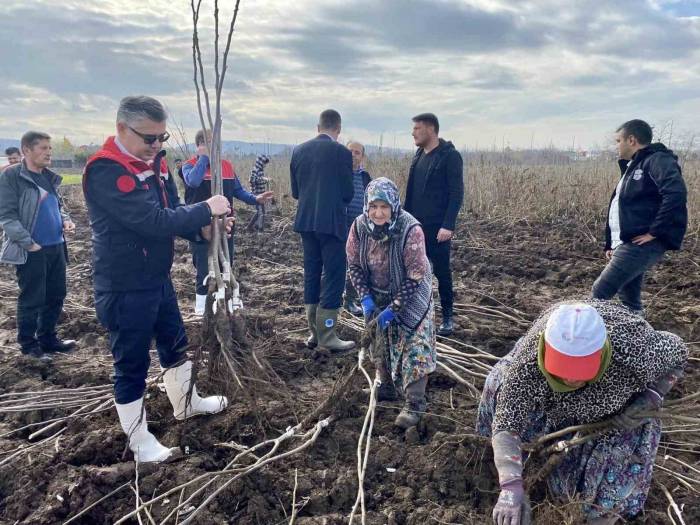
(227, 171)
(141, 169)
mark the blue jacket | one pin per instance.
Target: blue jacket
(196, 174)
(321, 177)
(135, 217)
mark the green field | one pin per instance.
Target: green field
(69, 180)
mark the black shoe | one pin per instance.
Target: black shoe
(56, 345)
(353, 308)
(387, 392)
(34, 350)
(447, 327)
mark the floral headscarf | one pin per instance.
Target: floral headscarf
(382, 189)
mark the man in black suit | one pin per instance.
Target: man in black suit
(434, 195)
(321, 172)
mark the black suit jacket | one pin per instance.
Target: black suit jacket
(321, 173)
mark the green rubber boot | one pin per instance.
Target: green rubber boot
(312, 341)
(326, 321)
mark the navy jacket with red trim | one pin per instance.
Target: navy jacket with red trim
(135, 215)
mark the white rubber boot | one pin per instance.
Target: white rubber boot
(144, 445)
(177, 383)
(200, 301)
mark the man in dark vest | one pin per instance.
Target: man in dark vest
(647, 214)
(34, 222)
(321, 177)
(360, 179)
(434, 196)
(135, 215)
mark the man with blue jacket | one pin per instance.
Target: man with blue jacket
(135, 215)
(34, 222)
(321, 178)
(647, 214)
(197, 176)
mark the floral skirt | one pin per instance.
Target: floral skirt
(411, 353)
(611, 474)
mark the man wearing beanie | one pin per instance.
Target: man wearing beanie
(581, 363)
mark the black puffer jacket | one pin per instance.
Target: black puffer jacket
(652, 198)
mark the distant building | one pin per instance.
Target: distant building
(62, 163)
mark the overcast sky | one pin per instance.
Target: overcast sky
(494, 71)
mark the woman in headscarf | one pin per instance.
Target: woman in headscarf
(582, 363)
(390, 270)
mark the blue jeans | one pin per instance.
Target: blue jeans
(624, 274)
(133, 320)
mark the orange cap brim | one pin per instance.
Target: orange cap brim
(569, 367)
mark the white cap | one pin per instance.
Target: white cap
(575, 330)
(573, 339)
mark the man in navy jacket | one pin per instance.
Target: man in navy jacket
(647, 214)
(135, 215)
(321, 177)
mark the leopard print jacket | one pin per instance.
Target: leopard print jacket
(641, 355)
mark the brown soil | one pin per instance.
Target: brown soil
(435, 476)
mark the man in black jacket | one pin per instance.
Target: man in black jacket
(647, 214)
(321, 176)
(434, 196)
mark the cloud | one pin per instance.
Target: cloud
(350, 38)
(486, 67)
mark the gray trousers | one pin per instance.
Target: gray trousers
(624, 274)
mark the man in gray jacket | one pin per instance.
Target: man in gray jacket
(34, 221)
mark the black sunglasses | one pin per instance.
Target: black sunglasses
(150, 139)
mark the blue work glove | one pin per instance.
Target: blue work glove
(368, 307)
(629, 418)
(386, 317)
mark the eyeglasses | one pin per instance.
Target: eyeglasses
(150, 139)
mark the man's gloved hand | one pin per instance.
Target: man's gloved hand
(513, 507)
(386, 317)
(368, 307)
(629, 418)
